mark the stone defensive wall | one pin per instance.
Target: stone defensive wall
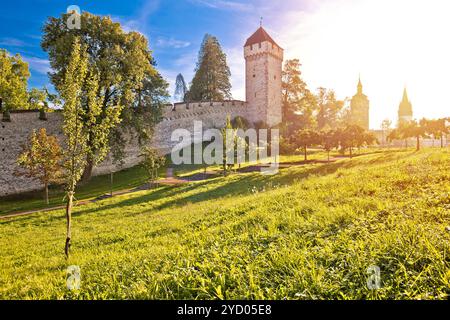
(14, 135)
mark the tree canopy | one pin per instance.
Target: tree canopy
(40, 159)
(212, 74)
(126, 72)
(14, 74)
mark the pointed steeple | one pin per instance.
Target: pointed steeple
(360, 86)
(405, 111)
(405, 96)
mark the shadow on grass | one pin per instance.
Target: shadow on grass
(240, 185)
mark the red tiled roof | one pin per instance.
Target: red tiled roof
(260, 36)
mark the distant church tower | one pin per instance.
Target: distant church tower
(263, 64)
(405, 111)
(359, 108)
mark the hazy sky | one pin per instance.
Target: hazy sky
(391, 43)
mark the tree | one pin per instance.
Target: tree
(437, 128)
(140, 119)
(37, 100)
(385, 129)
(81, 110)
(414, 129)
(299, 103)
(212, 74)
(226, 131)
(151, 162)
(122, 60)
(41, 159)
(14, 76)
(306, 138)
(240, 123)
(329, 140)
(400, 133)
(328, 109)
(180, 88)
(354, 136)
(393, 135)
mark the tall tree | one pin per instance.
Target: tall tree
(14, 74)
(122, 59)
(328, 109)
(41, 159)
(299, 103)
(212, 74)
(180, 89)
(81, 110)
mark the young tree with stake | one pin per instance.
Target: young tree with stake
(79, 89)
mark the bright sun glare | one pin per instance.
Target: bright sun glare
(392, 44)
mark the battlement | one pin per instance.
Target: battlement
(259, 49)
(196, 109)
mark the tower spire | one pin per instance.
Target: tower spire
(360, 86)
(405, 95)
(260, 21)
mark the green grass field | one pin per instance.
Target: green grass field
(123, 180)
(310, 232)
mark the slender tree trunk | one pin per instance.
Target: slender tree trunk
(328, 156)
(306, 154)
(442, 141)
(112, 182)
(46, 193)
(69, 206)
(418, 143)
(87, 174)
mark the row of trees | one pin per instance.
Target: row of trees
(345, 138)
(436, 129)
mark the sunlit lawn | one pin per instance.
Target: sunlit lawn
(309, 232)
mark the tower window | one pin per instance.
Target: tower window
(255, 94)
(254, 76)
(260, 45)
(274, 77)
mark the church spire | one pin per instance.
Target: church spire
(405, 111)
(360, 86)
(405, 95)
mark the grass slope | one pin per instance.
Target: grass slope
(309, 232)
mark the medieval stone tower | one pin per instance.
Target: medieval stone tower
(263, 65)
(359, 107)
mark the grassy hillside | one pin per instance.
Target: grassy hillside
(309, 232)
